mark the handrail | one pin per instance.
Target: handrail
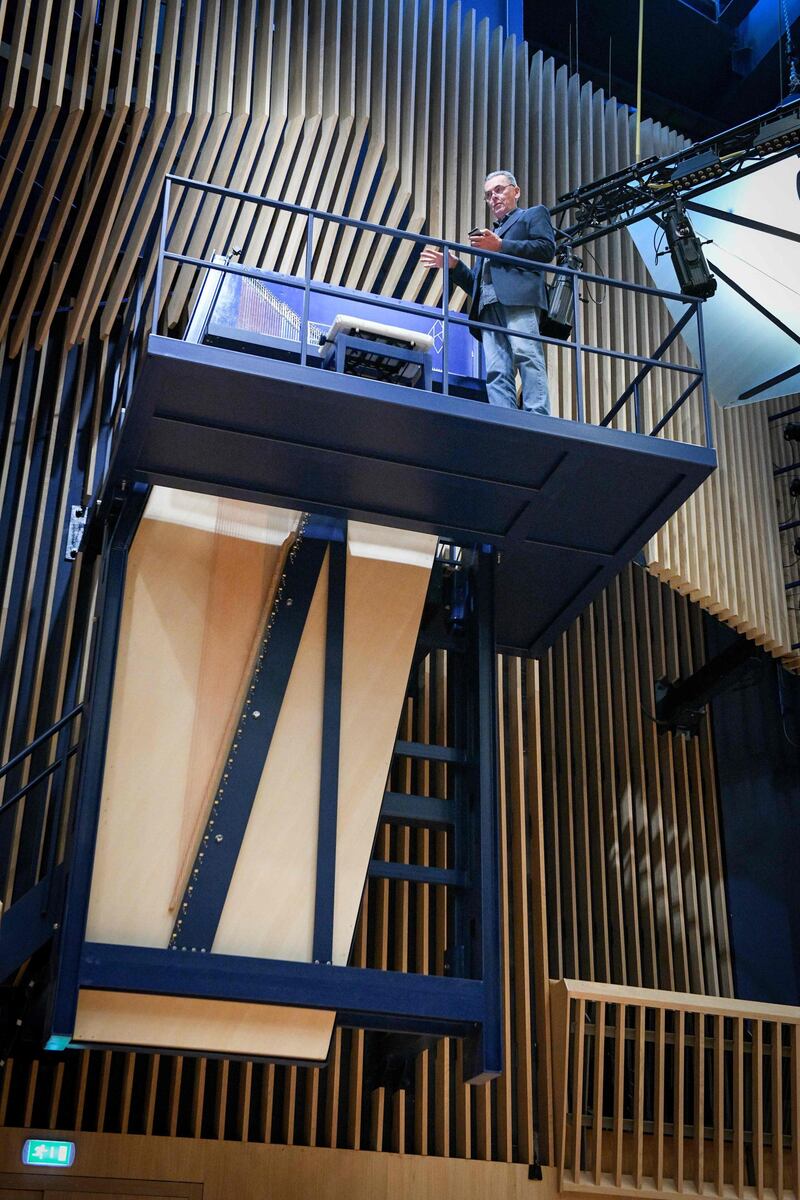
(37, 779)
(423, 239)
(721, 1006)
(41, 739)
(577, 347)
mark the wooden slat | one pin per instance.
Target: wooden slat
(638, 1095)
(221, 1097)
(658, 1091)
(678, 1124)
(719, 1104)
(757, 1068)
(102, 1097)
(289, 1108)
(794, 1084)
(776, 1108)
(198, 1096)
(699, 1100)
(619, 1091)
(560, 1024)
(595, 788)
(8, 1071)
(738, 1106)
(583, 891)
(538, 920)
(173, 1103)
(502, 1087)
(80, 1097)
(244, 1100)
(55, 1095)
(597, 1094)
(30, 1094)
(578, 1046)
(127, 1089)
(153, 1063)
(268, 1102)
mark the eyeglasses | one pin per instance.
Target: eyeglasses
(497, 191)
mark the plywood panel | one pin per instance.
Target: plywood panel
(186, 643)
(384, 606)
(176, 1023)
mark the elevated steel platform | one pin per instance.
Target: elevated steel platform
(566, 505)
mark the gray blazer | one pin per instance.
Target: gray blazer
(527, 234)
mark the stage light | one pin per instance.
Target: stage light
(694, 277)
(791, 431)
(707, 165)
(779, 134)
(557, 320)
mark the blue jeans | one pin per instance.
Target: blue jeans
(506, 355)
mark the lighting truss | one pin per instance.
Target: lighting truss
(647, 187)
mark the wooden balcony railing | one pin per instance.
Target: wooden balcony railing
(668, 1093)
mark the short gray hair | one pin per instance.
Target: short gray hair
(507, 174)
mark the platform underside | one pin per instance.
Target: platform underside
(567, 505)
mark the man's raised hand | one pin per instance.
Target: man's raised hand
(433, 258)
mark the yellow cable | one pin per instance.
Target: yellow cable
(639, 83)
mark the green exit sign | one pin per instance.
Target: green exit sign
(38, 1152)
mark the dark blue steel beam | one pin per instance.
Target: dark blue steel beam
(746, 222)
(212, 870)
(329, 763)
(89, 789)
(378, 869)
(424, 750)
(268, 981)
(484, 1053)
(421, 812)
(751, 300)
(28, 924)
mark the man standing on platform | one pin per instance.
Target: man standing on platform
(509, 296)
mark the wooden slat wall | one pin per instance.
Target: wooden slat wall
(635, 886)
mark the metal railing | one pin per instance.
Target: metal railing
(33, 834)
(577, 346)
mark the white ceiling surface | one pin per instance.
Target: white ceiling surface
(743, 348)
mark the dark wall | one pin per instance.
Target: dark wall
(757, 734)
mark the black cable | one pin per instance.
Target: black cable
(604, 286)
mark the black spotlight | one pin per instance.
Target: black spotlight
(694, 277)
(791, 431)
(557, 320)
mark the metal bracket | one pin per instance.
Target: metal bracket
(78, 515)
